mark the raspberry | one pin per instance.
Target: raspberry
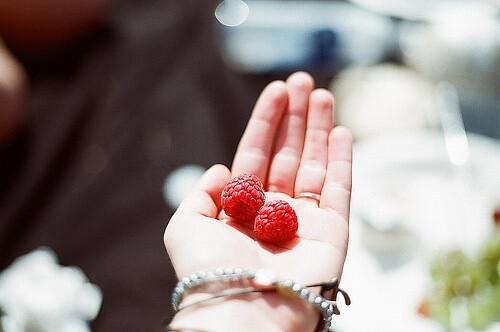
(242, 197)
(276, 222)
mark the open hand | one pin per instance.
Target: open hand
(291, 145)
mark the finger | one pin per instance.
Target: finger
(204, 199)
(254, 150)
(312, 168)
(336, 193)
(290, 136)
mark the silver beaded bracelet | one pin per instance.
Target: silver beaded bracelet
(262, 281)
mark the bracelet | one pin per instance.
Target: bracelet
(262, 281)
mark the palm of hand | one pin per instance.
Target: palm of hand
(313, 256)
(289, 142)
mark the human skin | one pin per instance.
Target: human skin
(13, 86)
(291, 145)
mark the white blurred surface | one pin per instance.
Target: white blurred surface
(386, 271)
(459, 44)
(372, 100)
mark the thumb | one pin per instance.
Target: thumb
(204, 198)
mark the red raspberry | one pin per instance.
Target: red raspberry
(276, 222)
(242, 197)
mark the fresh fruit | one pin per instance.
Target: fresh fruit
(242, 197)
(276, 222)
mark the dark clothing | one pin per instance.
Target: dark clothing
(109, 119)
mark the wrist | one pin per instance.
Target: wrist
(224, 299)
(249, 312)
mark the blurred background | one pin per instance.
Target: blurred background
(418, 85)
(123, 104)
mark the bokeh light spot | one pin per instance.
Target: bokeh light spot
(232, 12)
